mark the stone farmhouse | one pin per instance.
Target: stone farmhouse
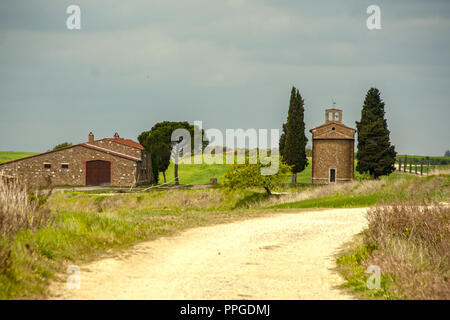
(106, 162)
(333, 150)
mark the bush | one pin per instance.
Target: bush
(413, 247)
(241, 176)
(20, 209)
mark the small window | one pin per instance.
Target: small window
(332, 128)
(65, 166)
(47, 166)
(332, 175)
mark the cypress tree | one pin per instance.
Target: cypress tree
(282, 141)
(375, 154)
(294, 151)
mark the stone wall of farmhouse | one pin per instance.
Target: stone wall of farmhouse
(332, 153)
(118, 147)
(32, 171)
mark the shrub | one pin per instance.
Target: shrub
(241, 176)
(20, 209)
(413, 247)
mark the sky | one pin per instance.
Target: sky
(230, 64)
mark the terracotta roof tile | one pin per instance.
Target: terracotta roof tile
(126, 142)
(86, 145)
(108, 151)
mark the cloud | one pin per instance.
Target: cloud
(229, 63)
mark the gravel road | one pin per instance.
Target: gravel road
(281, 256)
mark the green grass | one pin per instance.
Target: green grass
(334, 201)
(192, 174)
(11, 155)
(366, 193)
(350, 266)
(432, 160)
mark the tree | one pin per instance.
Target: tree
(447, 153)
(375, 154)
(241, 176)
(295, 140)
(158, 142)
(62, 145)
(282, 141)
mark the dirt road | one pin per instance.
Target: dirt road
(282, 256)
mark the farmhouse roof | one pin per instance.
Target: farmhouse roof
(126, 142)
(85, 145)
(108, 151)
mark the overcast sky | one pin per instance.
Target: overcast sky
(229, 63)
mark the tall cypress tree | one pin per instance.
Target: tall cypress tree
(282, 141)
(294, 151)
(375, 154)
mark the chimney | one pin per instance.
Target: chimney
(91, 137)
(116, 136)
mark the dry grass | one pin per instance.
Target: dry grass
(311, 193)
(155, 200)
(353, 187)
(20, 209)
(440, 171)
(412, 248)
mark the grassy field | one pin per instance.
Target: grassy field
(10, 155)
(191, 174)
(416, 157)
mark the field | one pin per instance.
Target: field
(10, 155)
(192, 174)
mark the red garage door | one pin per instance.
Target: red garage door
(98, 173)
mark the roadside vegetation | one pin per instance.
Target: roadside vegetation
(38, 242)
(76, 227)
(409, 240)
